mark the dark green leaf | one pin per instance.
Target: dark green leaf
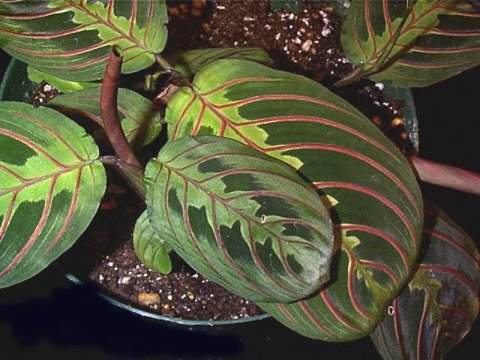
(73, 38)
(292, 5)
(140, 120)
(412, 43)
(51, 184)
(241, 218)
(188, 63)
(437, 308)
(372, 193)
(150, 248)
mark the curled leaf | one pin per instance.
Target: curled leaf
(150, 248)
(437, 308)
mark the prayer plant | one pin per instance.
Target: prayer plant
(269, 184)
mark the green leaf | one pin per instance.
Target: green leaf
(188, 63)
(51, 184)
(140, 120)
(412, 43)
(150, 248)
(241, 218)
(73, 38)
(292, 5)
(65, 86)
(373, 195)
(439, 305)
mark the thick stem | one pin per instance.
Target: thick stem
(446, 175)
(109, 112)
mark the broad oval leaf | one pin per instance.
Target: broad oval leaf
(437, 308)
(73, 38)
(188, 63)
(150, 248)
(141, 121)
(412, 43)
(51, 184)
(241, 218)
(373, 195)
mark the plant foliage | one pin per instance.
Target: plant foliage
(51, 186)
(376, 209)
(438, 307)
(73, 38)
(245, 220)
(412, 43)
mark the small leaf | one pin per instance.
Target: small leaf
(439, 305)
(373, 196)
(150, 248)
(65, 86)
(292, 5)
(188, 63)
(140, 120)
(73, 38)
(51, 184)
(241, 218)
(412, 43)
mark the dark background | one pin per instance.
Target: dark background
(48, 317)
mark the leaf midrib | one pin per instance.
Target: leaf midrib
(34, 181)
(225, 203)
(110, 25)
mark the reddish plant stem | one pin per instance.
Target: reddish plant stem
(109, 112)
(446, 175)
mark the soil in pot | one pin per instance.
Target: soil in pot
(306, 42)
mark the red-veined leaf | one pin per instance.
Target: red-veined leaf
(51, 184)
(437, 308)
(373, 195)
(245, 220)
(412, 43)
(73, 38)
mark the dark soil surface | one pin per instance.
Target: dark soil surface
(113, 266)
(306, 42)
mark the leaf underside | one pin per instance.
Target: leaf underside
(51, 184)
(140, 120)
(439, 305)
(241, 218)
(73, 38)
(372, 193)
(412, 43)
